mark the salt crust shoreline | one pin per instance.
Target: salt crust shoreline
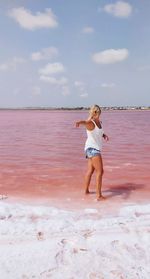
(45, 242)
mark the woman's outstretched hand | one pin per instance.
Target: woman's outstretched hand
(106, 138)
(77, 124)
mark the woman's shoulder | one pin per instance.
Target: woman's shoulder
(90, 125)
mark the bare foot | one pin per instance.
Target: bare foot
(100, 198)
(87, 191)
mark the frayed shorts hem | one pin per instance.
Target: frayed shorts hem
(92, 152)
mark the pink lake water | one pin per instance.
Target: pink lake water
(42, 157)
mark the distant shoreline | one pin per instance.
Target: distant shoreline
(79, 108)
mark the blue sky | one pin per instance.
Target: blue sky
(74, 53)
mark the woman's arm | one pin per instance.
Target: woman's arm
(87, 123)
(81, 122)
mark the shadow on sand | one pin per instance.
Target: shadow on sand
(123, 190)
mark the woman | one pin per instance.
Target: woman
(93, 148)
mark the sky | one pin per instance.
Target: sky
(69, 53)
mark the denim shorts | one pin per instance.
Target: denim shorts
(91, 152)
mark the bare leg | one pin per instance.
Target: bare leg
(88, 176)
(98, 166)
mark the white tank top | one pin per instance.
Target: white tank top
(94, 138)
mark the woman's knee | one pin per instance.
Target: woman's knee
(100, 172)
(89, 172)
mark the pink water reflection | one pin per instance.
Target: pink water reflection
(42, 156)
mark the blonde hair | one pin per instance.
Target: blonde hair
(94, 110)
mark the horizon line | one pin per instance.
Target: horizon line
(72, 108)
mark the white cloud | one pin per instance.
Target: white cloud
(4, 67)
(84, 95)
(12, 64)
(16, 91)
(47, 74)
(108, 85)
(44, 54)
(81, 87)
(87, 30)
(30, 21)
(110, 56)
(53, 80)
(144, 68)
(36, 91)
(52, 68)
(119, 9)
(65, 91)
(79, 84)
(18, 60)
